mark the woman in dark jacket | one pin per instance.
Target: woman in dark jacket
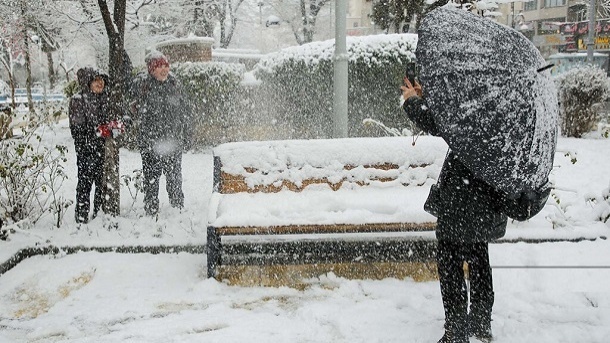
(165, 129)
(88, 110)
(469, 216)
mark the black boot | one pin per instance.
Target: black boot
(81, 219)
(480, 329)
(177, 203)
(451, 337)
(81, 213)
(151, 207)
(483, 334)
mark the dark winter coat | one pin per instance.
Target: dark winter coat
(163, 115)
(467, 209)
(87, 111)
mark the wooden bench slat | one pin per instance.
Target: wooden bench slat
(314, 229)
(232, 183)
(297, 276)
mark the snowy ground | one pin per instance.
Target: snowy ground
(552, 292)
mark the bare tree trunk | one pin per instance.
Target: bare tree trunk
(304, 22)
(115, 28)
(50, 70)
(222, 18)
(28, 65)
(11, 79)
(224, 42)
(307, 23)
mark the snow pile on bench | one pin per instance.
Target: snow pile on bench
(363, 194)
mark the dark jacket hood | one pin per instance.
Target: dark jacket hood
(87, 74)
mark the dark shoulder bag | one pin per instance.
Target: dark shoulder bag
(433, 202)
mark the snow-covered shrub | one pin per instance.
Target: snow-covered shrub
(298, 83)
(601, 205)
(581, 90)
(30, 177)
(134, 184)
(71, 88)
(212, 88)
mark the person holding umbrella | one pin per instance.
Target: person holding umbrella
(498, 114)
(468, 217)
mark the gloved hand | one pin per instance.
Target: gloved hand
(103, 131)
(116, 127)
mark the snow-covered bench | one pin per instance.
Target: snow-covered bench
(321, 202)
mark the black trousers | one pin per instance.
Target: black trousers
(90, 171)
(450, 258)
(153, 165)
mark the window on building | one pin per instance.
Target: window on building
(530, 5)
(577, 12)
(554, 3)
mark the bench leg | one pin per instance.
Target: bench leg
(214, 251)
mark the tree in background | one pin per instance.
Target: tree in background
(64, 26)
(37, 21)
(208, 18)
(227, 19)
(204, 15)
(26, 18)
(389, 14)
(301, 15)
(305, 28)
(46, 30)
(394, 15)
(11, 45)
(16, 39)
(79, 23)
(163, 19)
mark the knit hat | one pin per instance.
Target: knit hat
(156, 60)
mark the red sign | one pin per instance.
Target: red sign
(582, 28)
(567, 28)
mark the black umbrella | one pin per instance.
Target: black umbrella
(492, 105)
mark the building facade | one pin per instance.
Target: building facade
(358, 21)
(557, 26)
(554, 26)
